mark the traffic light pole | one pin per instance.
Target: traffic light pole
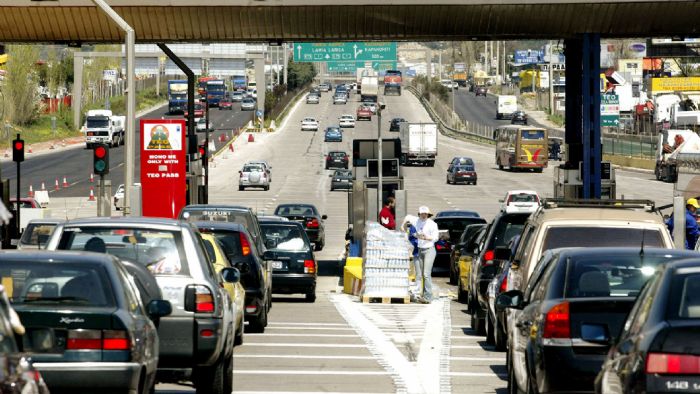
(18, 198)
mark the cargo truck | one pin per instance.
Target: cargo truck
(668, 147)
(460, 78)
(239, 82)
(102, 127)
(392, 82)
(505, 106)
(418, 143)
(177, 96)
(370, 89)
(216, 90)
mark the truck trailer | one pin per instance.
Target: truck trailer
(102, 127)
(418, 143)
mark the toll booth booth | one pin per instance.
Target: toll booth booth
(568, 182)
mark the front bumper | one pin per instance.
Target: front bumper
(285, 283)
(90, 375)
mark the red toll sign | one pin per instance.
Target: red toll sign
(163, 178)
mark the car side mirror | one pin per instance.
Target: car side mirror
(231, 275)
(512, 299)
(324, 217)
(159, 308)
(501, 253)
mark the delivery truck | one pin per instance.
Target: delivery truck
(418, 143)
(102, 127)
(505, 106)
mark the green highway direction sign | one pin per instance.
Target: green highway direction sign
(344, 51)
(609, 110)
(350, 67)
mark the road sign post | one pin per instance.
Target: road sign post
(609, 110)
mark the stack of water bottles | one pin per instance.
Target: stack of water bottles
(386, 262)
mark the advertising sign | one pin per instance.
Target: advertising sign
(609, 110)
(460, 67)
(163, 178)
(109, 75)
(675, 84)
(344, 51)
(528, 56)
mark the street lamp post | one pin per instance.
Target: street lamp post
(206, 144)
(380, 168)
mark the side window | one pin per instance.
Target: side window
(540, 288)
(536, 277)
(641, 308)
(479, 244)
(131, 292)
(209, 264)
(523, 248)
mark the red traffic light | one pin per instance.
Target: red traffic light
(19, 145)
(100, 152)
(201, 151)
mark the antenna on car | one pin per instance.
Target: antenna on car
(641, 251)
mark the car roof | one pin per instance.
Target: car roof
(125, 221)
(219, 225)
(596, 214)
(63, 256)
(280, 223)
(216, 207)
(296, 205)
(46, 221)
(337, 151)
(522, 192)
(624, 251)
(272, 218)
(457, 213)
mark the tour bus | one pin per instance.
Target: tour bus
(521, 147)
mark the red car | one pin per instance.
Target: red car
(364, 112)
(198, 110)
(225, 104)
(25, 202)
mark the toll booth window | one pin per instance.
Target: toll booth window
(532, 134)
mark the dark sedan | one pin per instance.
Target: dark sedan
(659, 347)
(308, 216)
(341, 180)
(480, 91)
(86, 326)
(451, 228)
(333, 134)
(518, 117)
(462, 174)
(575, 304)
(337, 159)
(294, 267)
(395, 124)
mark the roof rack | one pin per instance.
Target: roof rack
(647, 205)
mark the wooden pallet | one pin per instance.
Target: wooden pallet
(386, 300)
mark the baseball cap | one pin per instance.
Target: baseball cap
(424, 209)
(693, 202)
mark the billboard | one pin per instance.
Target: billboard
(528, 56)
(675, 84)
(163, 178)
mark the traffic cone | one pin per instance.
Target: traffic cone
(43, 186)
(230, 146)
(56, 185)
(30, 149)
(31, 191)
(92, 194)
(92, 178)
(65, 182)
(251, 138)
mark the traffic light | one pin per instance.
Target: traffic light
(100, 159)
(18, 150)
(203, 153)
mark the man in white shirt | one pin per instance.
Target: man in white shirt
(427, 233)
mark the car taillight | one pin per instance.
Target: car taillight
(504, 284)
(309, 267)
(557, 323)
(97, 340)
(676, 364)
(313, 223)
(245, 245)
(440, 247)
(488, 258)
(204, 300)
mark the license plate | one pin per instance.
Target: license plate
(278, 265)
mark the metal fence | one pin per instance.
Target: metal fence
(629, 145)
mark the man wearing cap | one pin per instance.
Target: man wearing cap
(692, 232)
(427, 234)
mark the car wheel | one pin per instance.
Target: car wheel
(531, 386)
(241, 188)
(258, 324)
(238, 340)
(489, 329)
(499, 338)
(512, 387)
(477, 323)
(228, 374)
(319, 246)
(210, 380)
(311, 297)
(462, 296)
(266, 188)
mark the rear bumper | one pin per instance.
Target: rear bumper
(332, 164)
(565, 371)
(182, 346)
(285, 283)
(93, 375)
(442, 263)
(466, 178)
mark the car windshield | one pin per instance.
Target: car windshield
(37, 234)
(507, 227)
(95, 122)
(295, 210)
(605, 276)
(685, 296)
(161, 251)
(455, 226)
(598, 236)
(532, 134)
(288, 237)
(58, 284)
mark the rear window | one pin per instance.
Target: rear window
(288, 238)
(507, 227)
(56, 284)
(523, 198)
(616, 276)
(37, 234)
(567, 237)
(685, 297)
(287, 210)
(337, 154)
(252, 169)
(206, 215)
(160, 251)
(455, 227)
(230, 242)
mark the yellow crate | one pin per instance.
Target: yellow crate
(352, 280)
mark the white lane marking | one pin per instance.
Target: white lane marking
(304, 335)
(494, 359)
(298, 392)
(306, 372)
(307, 324)
(331, 345)
(488, 347)
(307, 357)
(270, 327)
(478, 374)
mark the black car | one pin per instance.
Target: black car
(457, 212)
(462, 174)
(460, 161)
(480, 91)
(308, 216)
(468, 233)
(484, 267)
(574, 306)
(294, 267)
(452, 228)
(18, 374)
(518, 117)
(86, 326)
(465, 261)
(337, 159)
(341, 180)
(658, 349)
(255, 272)
(396, 124)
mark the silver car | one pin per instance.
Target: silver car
(312, 99)
(237, 97)
(253, 175)
(172, 250)
(340, 98)
(248, 104)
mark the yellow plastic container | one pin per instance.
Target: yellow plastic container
(352, 275)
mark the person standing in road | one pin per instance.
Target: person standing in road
(386, 215)
(692, 231)
(427, 234)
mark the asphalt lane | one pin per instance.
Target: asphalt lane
(480, 110)
(75, 163)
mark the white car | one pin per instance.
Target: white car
(309, 124)
(253, 175)
(520, 201)
(201, 125)
(265, 165)
(312, 99)
(346, 121)
(119, 197)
